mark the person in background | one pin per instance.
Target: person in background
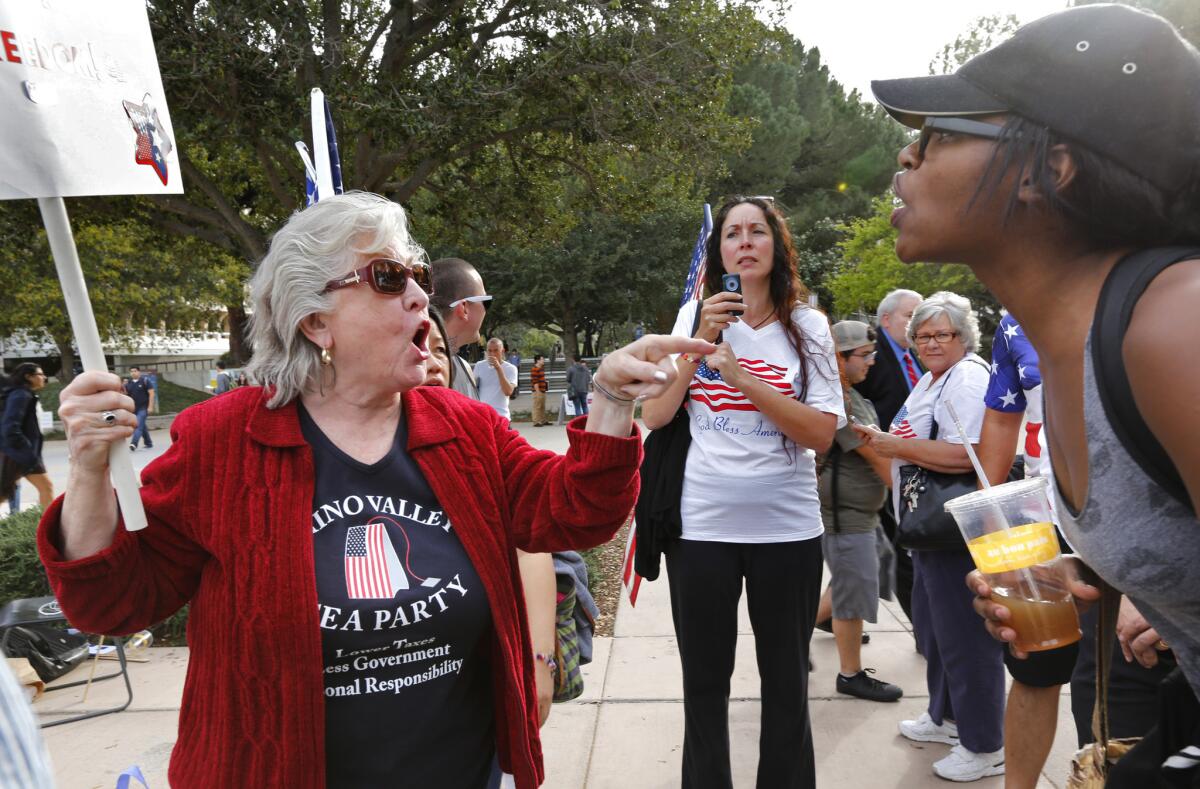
(342, 465)
(750, 512)
(459, 295)
(21, 437)
(224, 381)
(537, 382)
(887, 385)
(514, 358)
(579, 383)
(537, 569)
(964, 666)
(852, 489)
(141, 390)
(1016, 177)
(496, 378)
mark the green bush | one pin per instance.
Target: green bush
(22, 574)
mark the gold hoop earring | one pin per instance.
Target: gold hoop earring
(326, 358)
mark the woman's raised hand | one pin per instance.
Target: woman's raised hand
(717, 312)
(96, 413)
(643, 369)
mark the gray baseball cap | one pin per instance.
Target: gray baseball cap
(1120, 81)
(848, 335)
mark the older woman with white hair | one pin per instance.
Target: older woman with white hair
(344, 536)
(964, 670)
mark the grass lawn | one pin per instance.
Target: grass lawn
(172, 398)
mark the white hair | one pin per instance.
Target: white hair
(891, 301)
(316, 245)
(956, 308)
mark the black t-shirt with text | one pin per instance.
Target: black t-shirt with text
(405, 627)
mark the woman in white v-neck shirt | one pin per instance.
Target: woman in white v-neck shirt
(758, 409)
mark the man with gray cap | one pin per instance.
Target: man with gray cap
(852, 489)
(1063, 167)
(887, 385)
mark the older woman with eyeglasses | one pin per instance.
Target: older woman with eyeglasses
(965, 670)
(345, 537)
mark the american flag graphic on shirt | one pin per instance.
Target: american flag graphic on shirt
(373, 570)
(900, 425)
(709, 388)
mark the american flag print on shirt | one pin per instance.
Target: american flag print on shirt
(900, 425)
(373, 570)
(709, 387)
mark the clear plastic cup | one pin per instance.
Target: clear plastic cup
(1010, 533)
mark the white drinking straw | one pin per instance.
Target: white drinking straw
(1026, 576)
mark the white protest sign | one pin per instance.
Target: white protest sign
(82, 110)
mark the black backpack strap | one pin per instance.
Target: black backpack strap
(1125, 285)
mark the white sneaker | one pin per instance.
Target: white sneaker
(963, 765)
(923, 729)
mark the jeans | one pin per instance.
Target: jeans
(14, 503)
(580, 402)
(141, 430)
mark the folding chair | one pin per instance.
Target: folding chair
(39, 610)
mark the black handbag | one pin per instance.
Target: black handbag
(657, 517)
(922, 522)
(50, 650)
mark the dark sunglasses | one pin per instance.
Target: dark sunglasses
(958, 126)
(389, 277)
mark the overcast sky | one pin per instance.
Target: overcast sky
(862, 40)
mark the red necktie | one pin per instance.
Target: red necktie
(910, 370)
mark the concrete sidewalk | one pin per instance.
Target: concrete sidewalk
(625, 731)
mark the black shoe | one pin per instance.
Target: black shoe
(149, 446)
(869, 688)
(866, 639)
(826, 625)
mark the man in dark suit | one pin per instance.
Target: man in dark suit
(889, 380)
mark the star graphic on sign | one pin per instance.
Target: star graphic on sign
(152, 140)
(1009, 398)
(1021, 371)
(995, 368)
(1012, 330)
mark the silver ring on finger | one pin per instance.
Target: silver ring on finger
(109, 418)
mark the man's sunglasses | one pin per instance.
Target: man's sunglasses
(484, 299)
(958, 126)
(389, 277)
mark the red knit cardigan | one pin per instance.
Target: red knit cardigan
(230, 507)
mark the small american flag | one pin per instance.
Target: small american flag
(694, 283)
(900, 425)
(693, 286)
(709, 388)
(373, 570)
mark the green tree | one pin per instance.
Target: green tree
(605, 272)
(871, 269)
(470, 111)
(136, 281)
(983, 34)
(818, 151)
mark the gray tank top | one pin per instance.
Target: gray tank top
(1136, 535)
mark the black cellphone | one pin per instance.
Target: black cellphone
(732, 283)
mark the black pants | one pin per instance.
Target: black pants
(783, 587)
